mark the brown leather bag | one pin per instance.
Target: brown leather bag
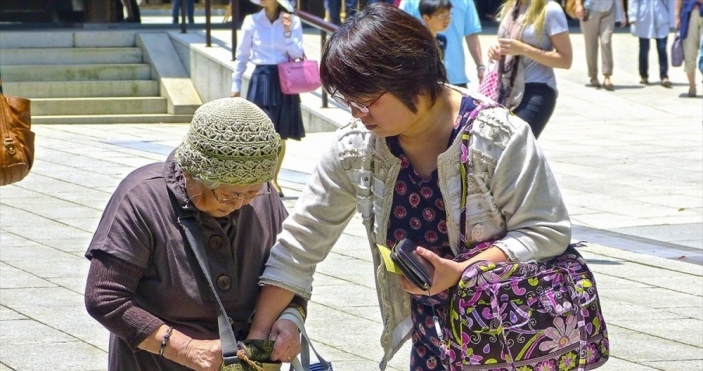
(17, 147)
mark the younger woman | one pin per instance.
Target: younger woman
(270, 37)
(543, 44)
(398, 163)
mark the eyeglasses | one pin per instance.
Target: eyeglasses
(364, 108)
(228, 198)
(443, 16)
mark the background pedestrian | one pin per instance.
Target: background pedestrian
(270, 37)
(689, 23)
(465, 25)
(597, 18)
(542, 46)
(652, 19)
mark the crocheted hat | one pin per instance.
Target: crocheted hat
(230, 141)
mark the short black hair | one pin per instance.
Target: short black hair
(383, 49)
(429, 7)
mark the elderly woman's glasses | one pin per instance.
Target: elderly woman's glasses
(364, 108)
(231, 197)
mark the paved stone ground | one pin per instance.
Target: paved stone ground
(629, 163)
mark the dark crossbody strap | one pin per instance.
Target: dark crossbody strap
(227, 338)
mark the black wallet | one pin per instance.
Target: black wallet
(415, 268)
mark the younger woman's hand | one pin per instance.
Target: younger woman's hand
(446, 274)
(287, 337)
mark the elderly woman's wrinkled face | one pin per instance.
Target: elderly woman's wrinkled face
(225, 199)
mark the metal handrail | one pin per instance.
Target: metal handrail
(324, 28)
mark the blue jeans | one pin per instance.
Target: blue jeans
(537, 106)
(379, 1)
(176, 9)
(334, 8)
(663, 59)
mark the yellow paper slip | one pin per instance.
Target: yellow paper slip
(386, 254)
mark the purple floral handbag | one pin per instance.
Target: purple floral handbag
(530, 316)
(527, 317)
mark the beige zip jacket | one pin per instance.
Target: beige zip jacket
(512, 197)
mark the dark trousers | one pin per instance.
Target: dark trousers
(334, 8)
(190, 10)
(537, 106)
(663, 60)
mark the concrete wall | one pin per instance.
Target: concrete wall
(210, 69)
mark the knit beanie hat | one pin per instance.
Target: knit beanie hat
(230, 141)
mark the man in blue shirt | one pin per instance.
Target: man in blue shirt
(465, 24)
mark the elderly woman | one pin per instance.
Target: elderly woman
(399, 163)
(144, 281)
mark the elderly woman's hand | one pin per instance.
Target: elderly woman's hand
(287, 337)
(202, 355)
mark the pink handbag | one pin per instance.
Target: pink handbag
(489, 85)
(299, 76)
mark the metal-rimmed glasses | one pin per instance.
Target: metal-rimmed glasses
(232, 197)
(364, 108)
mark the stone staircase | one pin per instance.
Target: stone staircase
(91, 77)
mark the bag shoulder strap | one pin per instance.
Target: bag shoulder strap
(227, 338)
(305, 344)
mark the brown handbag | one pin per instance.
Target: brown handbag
(17, 147)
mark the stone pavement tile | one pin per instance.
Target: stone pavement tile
(677, 232)
(344, 296)
(644, 260)
(24, 332)
(656, 298)
(682, 201)
(7, 314)
(86, 223)
(692, 365)
(60, 308)
(690, 312)
(54, 355)
(46, 262)
(4, 368)
(639, 347)
(350, 270)
(9, 239)
(339, 334)
(13, 278)
(607, 281)
(49, 229)
(616, 311)
(689, 285)
(682, 330)
(603, 220)
(618, 364)
(70, 283)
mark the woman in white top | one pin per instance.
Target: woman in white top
(652, 19)
(598, 19)
(537, 32)
(271, 37)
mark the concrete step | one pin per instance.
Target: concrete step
(67, 39)
(75, 89)
(98, 106)
(111, 119)
(44, 56)
(78, 72)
